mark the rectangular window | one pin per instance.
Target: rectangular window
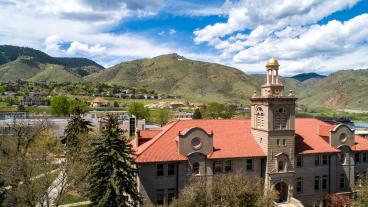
(299, 185)
(171, 169)
(249, 164)
(316, 160)
(160, 170)
(299, 161)
(284, 142)
(217, 167)
(228, 166)
(357, 157)
(342, 181)
(324, 159)
(278, 142)
(364, 156)
(316, 183)
(324, 182)
(160, 196)
(170, 195)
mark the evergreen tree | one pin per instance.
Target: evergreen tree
(197, 114)
(2, 190)
(76, 126)
(112, 169)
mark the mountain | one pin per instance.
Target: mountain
(342, 89)
(37, 59)
(177, 75)
(305, 76)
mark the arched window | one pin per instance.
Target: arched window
(259, 117)
(280, 165)
(195, 169)
(280, 118)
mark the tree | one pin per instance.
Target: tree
(138, 110)
(226, 190)
(60, 105)
(112, 169)
(197, 114)
(361, 192)
(20, 107)
(76, 126)
(2, 190)
(163, 116)
(116, 104)
(77, 106)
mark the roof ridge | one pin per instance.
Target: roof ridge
(155, 138)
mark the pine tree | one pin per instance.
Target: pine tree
(112, 169)
(2, 191)
(197, 114)
(76, 126)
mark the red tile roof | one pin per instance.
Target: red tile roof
(307, 138)
(148, 134)
(233, 139)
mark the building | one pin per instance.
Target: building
(99, 102)
(14, 114)
(33, 101)
(304, 159)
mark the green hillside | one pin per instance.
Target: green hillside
(26, 68)
(342, 89)
(174, 74)
(79, 66)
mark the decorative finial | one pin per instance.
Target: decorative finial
(290, 93)
(254, 93)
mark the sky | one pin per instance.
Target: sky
(304, 35)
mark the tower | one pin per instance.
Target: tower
(273, 127)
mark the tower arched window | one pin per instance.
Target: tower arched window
(280, 118)
(259, 117)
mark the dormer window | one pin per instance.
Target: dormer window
(280, 118)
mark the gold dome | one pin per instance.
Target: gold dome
(272, 62)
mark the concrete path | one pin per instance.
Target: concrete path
(76, 204)
(54, 190)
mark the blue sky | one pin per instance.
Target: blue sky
(306, 36)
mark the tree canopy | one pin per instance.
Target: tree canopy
(112, 170)
(138, 110)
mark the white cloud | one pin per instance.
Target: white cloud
(288, 30)
(172, 31)
(77, 47)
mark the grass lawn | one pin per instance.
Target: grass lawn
(72, 197)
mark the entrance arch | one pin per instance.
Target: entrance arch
(282, 189)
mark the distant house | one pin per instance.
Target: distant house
(33, 101)
(99, 102)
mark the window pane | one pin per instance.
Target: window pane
(217, 167)
(316, 183)
(196, 168)
(160, 196)
(324, 159)
(249, 164)
(299, 161)
(160, 170)
(299, 185)
(228, 166)
(171, 169)
(316, 160)
(324, 182)
(170, 195)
